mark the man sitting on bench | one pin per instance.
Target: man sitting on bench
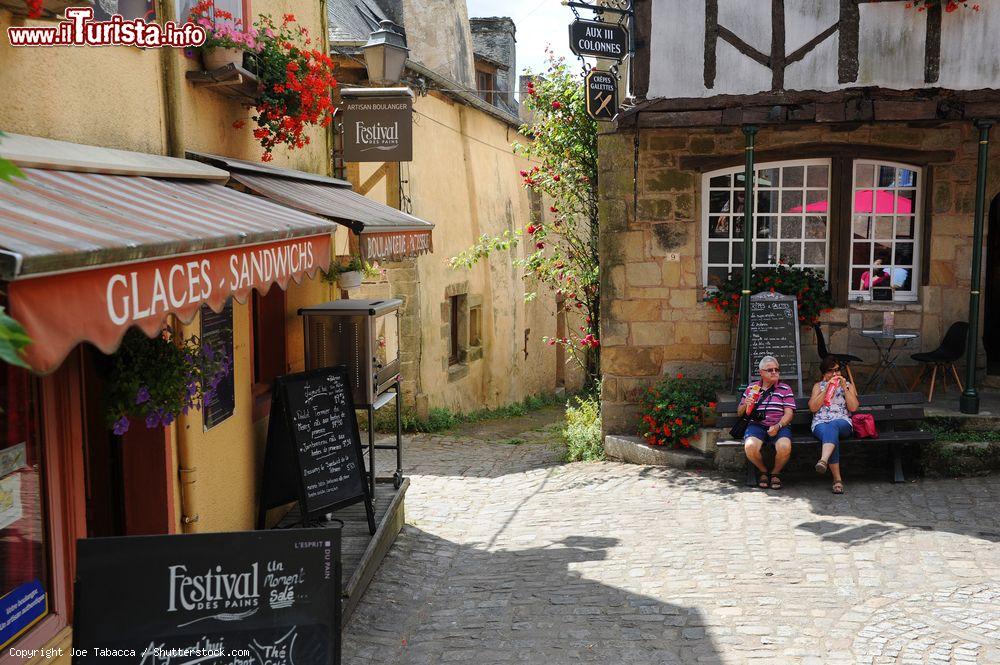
(771, 404)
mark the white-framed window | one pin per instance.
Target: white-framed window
(885, 229)
(791, 218)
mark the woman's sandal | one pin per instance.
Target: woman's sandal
(775, 482)
(838, 487)
(763, 481)
(822, 466)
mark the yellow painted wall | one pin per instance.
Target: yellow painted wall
(114, 97)
(464, 178)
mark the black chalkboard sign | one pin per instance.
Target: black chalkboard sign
(314, 452)
(213, 599)
(774, 331)
(217, 330)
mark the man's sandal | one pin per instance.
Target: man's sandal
(838, 487)
(775, 482)
(822, 466)
(763, 481)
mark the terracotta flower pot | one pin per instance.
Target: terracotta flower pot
(350, 279)
(217, 58)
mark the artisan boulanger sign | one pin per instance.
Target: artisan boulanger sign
(394, 245)
(378, 129)
(98, 306)
(602, 95)
(598, 40)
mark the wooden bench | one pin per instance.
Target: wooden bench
(893, 413)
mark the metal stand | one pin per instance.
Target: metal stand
(382, 400)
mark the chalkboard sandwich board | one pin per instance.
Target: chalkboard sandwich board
(314, 453)
(774, 331)
(213, 599)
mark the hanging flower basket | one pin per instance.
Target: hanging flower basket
(156, 380)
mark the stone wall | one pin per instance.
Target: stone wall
(655, 321)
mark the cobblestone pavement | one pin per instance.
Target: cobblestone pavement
(510, 555)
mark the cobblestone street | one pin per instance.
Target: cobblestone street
(510, 555)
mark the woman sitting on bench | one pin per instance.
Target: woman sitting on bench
(771, 405)
(832, 402)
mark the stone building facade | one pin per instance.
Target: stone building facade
(671, 197)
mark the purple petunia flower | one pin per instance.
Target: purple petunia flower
(208, 352)
(142, 396)
(121, 425)
(153, 420)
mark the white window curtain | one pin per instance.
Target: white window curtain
(791, 218)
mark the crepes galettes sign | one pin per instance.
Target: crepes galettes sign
(99, 305)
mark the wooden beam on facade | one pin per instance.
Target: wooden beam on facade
(373, 179)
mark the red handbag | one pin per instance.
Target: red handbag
(864, 426)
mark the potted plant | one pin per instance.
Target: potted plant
(807, 285)
(296, 85)
(349, 275)
(157, 379)
(226, 41)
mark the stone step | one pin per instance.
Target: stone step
(634, 450)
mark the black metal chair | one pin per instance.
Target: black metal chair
(952, 348)
(845, 359)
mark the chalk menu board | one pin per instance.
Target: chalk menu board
(774, 331)
(217, 330)
(214, 599)
(314, 452)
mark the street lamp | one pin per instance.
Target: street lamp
(385, 54)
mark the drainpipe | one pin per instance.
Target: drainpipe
(969, 402)
(743, 352)
(170, 72)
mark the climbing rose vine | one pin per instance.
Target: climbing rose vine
(560, 251)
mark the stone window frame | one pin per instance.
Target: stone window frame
(915, 218)
(806, 189)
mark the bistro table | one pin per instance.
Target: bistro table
(884, 341)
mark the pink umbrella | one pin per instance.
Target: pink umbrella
(863, 203)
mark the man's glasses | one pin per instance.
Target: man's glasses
(772, 369)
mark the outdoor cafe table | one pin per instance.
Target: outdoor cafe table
(885, 342)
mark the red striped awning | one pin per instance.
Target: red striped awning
(89, 255)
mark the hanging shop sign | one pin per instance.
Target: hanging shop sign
(211, 598)
(602, 95)
(596, 39)
(99, 305)
(378, 129)
(394, 245)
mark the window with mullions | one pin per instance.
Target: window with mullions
(885, 229)
(791, 218)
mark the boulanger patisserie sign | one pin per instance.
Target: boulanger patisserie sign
(378, 129)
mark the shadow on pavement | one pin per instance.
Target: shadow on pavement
(437, 601)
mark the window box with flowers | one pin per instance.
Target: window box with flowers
(350, 274)
(227, 38)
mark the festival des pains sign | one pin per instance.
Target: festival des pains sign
(595, 39)
(214, 599)
(378, 129)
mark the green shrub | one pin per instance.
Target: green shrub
(583, 429)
